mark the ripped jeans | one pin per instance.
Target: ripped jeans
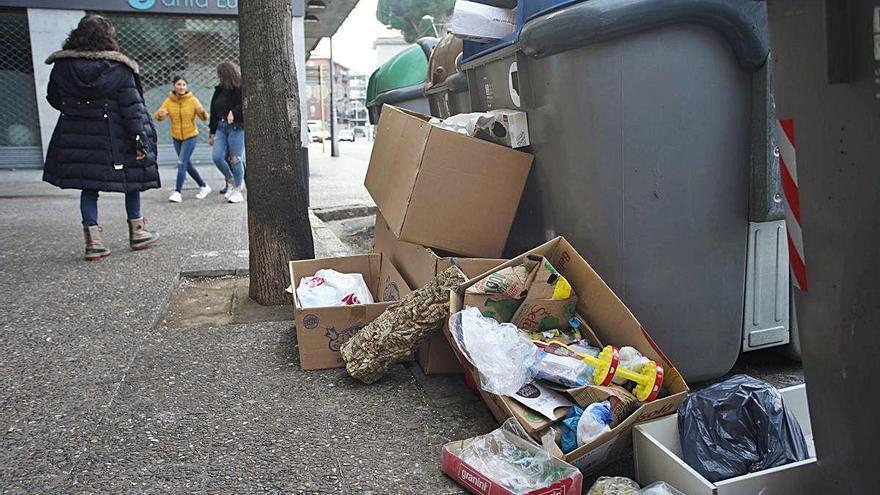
(228, 152)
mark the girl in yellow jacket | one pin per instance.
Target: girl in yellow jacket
(183, 107)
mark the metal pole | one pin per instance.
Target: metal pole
(321, 97)
(334, 143)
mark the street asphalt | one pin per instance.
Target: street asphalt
(102, 395)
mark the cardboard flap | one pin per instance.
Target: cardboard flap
(392, 286)
(395, 161)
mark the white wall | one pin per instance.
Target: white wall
(387, 48)
(48, 30)
(299, 58)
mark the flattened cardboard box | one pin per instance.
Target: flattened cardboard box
(613, 323)
(442, 189)
(419, 265)
(321, 331)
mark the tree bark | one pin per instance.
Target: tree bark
(278, 219)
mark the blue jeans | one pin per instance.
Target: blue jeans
(88, 206)
(184, 151)
(228, 152)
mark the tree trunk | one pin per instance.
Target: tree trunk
(278, 219)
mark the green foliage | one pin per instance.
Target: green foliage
(406, 16)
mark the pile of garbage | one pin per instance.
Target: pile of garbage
(569, 372)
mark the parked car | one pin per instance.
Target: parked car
(346, 135)
(317, 133)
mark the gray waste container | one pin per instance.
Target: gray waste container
(653, 156)
(447, 88)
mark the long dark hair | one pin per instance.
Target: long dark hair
(230, 77)
(179, 78)
(94, 33)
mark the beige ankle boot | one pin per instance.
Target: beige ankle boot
(138, 235)
(95, 249)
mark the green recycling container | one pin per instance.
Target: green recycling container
(401, 80)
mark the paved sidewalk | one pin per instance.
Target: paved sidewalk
(99, 396)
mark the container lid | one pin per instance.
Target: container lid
(442, 62)
(407, 68)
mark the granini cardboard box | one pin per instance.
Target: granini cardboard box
(612, 323)
(419, 265)
(321, 331)
(445, 190)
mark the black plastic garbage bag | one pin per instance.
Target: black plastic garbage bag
(736, 427)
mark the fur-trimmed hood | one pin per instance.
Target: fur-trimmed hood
(101, 55)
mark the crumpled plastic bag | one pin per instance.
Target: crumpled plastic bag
(515, 468)
(331, 288)
(401, 328)
(505, 358)
(736, 427)
(614, 485)
(659, 488)
(595, 421)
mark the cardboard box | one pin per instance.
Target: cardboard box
(419, 265)
(479, 22)
(658, 458)
(442, 189)
(321, 331)
(480, 484)
(613, 323)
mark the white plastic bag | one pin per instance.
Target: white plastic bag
(331, 288)
(630, 359)
(505, 358)
(594, 422)
(659, 488)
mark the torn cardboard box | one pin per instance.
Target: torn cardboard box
(612, 323)
(321, 331)
(444, 190)
(419, 265)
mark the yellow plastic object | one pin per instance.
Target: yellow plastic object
(648, 380)
(562, 289)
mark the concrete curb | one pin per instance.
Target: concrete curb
(334, 213)
(327, 244)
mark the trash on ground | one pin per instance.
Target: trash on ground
(533, 296)
(614, 485)
(395, 334)
(659, 449)
(505, 358)
(502, 462)
(477, 22)
(331, 288)
(566, 325)
(321, 331)
(736, 427)
(501, 126)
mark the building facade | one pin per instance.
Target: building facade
(166, 37)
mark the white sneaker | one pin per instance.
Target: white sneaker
(204, 192)
(175, 197)
(229, 191)
(236, 197)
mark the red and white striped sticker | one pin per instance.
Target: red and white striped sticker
(793, 223)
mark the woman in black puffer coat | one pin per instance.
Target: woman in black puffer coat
(104, 139)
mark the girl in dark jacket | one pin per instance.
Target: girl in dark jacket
(227, 130)
(104, 139)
